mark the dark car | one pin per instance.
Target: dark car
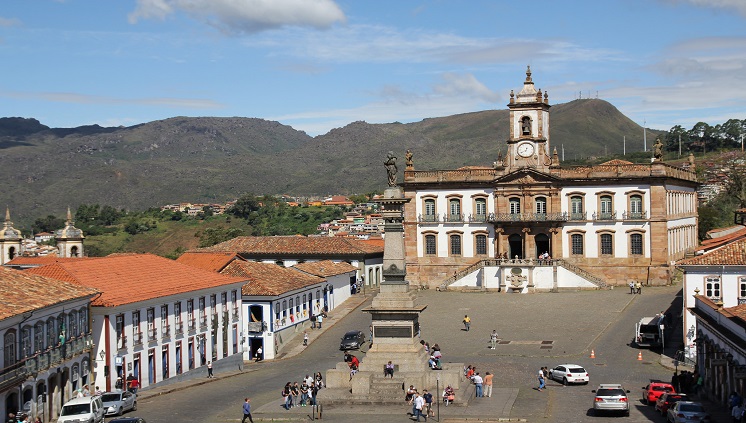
(127, 420)
(667, 400)
(352, 340)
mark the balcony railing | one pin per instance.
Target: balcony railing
(428, 218)
(527, 217)
(165, 331)
(477, 218)
(235, 314)
(634, 215)
(137, 337)
(121, 341)
(604, 216)
(191, 323)
(203, 321)
(578, 216)
(13, 375)
(454, 218)
(179, 327)
(48, 358)
(152, 333)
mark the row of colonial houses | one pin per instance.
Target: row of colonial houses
(161, 320)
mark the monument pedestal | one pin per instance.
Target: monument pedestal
(395, 321)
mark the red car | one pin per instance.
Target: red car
(667, 400)
(654, 390)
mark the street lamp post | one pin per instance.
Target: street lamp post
(437, 393)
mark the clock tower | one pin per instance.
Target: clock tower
(528, 145)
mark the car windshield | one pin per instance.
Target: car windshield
(691, 408)
(577, 370)
(661, 388)
(610, 393)
(110, 397)
(351, 336)
(74, 409)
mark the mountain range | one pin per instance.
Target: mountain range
(214, 159)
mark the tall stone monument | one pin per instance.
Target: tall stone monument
(395, 321)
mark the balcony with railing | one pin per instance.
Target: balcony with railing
(203, 321)
(137, 337)
(604, 215)
(235, 314)
(13, 375)
(191, 323)
(121, 341)
(454, 217)
(44, 360)
(428, 218)
(527, 217)
(578, 216)
(478, 218)
(634, 215)
(152, 334)
(257, 326)
(179, 327)
(165, 331)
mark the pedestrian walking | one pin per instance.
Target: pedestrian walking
(313, 321)
(493, 339)
(638, 287)
(319, 319)
(542, 384)
(428, 397)
(419, 404)
(488, 384)
(305, 339)
(209, 369)
(632, 287)
(258, 354)
(478, 383)
(467, 323)
(247, 411)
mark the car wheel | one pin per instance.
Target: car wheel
(120, 411)
(134, 406)
(564, 381)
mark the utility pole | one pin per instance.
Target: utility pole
(679, 145)
(741, 143)
(563, 152)
(644, 136)
(624, 146)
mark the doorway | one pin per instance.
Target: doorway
(254, 344)
(515, 245)
(542, 244)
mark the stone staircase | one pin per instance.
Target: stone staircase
(386, 389)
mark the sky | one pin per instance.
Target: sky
(321, 64)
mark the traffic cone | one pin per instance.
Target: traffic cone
(639, 356)
(593, 354)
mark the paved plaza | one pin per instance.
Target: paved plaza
(535, 330)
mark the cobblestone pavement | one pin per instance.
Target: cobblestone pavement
(535, 330)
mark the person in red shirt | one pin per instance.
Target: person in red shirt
(134, 385)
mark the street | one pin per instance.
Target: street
(535, 330)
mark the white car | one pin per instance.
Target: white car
(569, 373)
(86, 409)
(117, 402)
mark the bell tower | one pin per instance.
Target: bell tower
(70, 239)
(528, 143)
(10, 240)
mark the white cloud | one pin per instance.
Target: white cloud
(8, 22)
(737, 5)
(245, 16)
(76, 98)
(453, 94)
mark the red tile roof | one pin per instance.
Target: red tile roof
(42, 260)
(22, 292)
(269, 279)
(374, 242)
(616, 162)
(325, 268)
(733, 253)
(294, 245)
(214, 262)
(130, 278)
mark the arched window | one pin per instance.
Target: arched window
(73, 251)
(83, 318)
(541, 205)
(480, 209)
(606, 207)
(576, 207)
(9, 348)
(515, 205)
(11, 252)
(635, 206)
(39, 336)
(73, 319)
(429, 209)
(454, 210)
(26, 348)
(51, 332)
(525, 125)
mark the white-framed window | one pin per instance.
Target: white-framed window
(712, 287)
(741, 289)
(605, 205)
(480, 208)
(576, 207)
(514, 204)
(454, 209)
(635, 204)
(541, 205)
(430, 208)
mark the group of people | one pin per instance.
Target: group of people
(482, 385)
(737, 407)
(21, 418)
(130, 383)
(687, 382)
(85, 392)
(304, 394)
(435, 355)
(422, 404)
(635, 287)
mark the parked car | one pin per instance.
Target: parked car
(118, 402)
(611, 397)
(352, 340)
(127, 420)
(654, 390)
(86, 409)
(687, 412)
(569, 373)
(667, 400)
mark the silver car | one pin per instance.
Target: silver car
(611, 397)
(688, 412)
(117, 402)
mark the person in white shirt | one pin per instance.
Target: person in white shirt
(419, 405)
(478, 382)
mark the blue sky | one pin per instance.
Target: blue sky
(320, 64)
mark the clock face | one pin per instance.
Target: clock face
(525, 150)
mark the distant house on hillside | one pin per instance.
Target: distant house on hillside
(338, 200)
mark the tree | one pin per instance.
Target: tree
(48, 224)
(212, 236)
(736, 187)
(244, 206)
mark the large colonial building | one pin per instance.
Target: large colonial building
(487, 226)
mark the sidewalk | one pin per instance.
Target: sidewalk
(291, 349)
